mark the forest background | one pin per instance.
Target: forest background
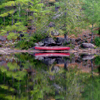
(25, 22)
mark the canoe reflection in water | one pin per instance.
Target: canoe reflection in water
(50, 58)
(64, 60)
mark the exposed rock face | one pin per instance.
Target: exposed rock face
(60, 41)
(48, 41)
(87, 45)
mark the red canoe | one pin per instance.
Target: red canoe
(52, 48)
(51, 54)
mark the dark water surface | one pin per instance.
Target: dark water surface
(60, 76)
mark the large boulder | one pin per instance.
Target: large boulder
(87, 45)
(60, 41)
(48, 41)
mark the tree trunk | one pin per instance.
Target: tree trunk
(66, 38)
(92, 34)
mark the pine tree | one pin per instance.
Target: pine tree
(91, 11)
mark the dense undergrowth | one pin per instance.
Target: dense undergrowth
(28, 43)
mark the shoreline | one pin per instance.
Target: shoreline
(78, 51)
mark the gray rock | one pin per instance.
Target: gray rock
(55, 33)
(2, 38)
(48, 41)
(36, 44)
(87, 45)
(40, 43)
(60, 41)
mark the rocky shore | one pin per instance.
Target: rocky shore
(77, 51)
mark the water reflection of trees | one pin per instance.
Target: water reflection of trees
(29, 79)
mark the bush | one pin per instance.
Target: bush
(97, 41)
(29, 42)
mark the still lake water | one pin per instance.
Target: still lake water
(60, 76)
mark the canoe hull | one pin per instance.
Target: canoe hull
(51, 48)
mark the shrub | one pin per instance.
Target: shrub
(29, 42)
(97, 41)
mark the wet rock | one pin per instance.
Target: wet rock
(55, 33)
(2, 38)
(51, 24)
(87, 45)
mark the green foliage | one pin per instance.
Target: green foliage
(12, 36)
(92, 89)
(91, 10)
(29, 42)
(97, 60)
(97, 41)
